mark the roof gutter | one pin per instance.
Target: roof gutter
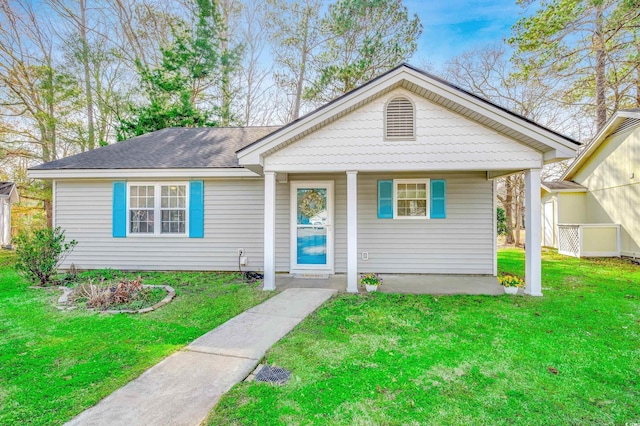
(185, 173)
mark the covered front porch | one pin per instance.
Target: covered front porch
(454, 253)
(398, 177)
(402, 284)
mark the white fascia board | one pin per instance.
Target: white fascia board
(552, 140)
(610, 126)
(554, 191)
(557, 144)
(494, 174)
(558, 155)
(252, 154)
(11, 196)
(493, 171)
(141, 173)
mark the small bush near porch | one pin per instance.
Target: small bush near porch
(571, 357)
(55, 364)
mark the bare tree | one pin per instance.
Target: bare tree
(294, 28)
(487, 72)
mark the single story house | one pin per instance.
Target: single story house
(8, 195)
(396, 176)
(593, 209)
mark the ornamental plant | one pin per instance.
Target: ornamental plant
(371, 279)
(39, 254)
(510, 281)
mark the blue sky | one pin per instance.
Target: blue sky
(455, 26)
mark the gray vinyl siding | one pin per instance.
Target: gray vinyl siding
(460, 244)
(233, 215)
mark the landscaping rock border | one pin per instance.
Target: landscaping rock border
(171, 293)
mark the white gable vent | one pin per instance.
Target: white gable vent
(400, 119)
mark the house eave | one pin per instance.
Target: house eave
(554, 147)
(236, 172)
(610, 126)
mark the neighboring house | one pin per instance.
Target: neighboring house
(593, 210)
(8, 196)
(396, 176)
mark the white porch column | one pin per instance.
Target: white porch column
(533, 245)
(352, 231)
(269, 231)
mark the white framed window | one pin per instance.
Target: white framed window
(411, 198)
(400, 122)
(157, 208)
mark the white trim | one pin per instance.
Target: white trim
(140, 173)
(269, 282)
(427, 182)
(467, 166)
(53, 204)
(352, 231)
(157, 220)
(553, 191)
(610, 127)
(253, 154)
(294, 186)
(533, 247)
(495, 227)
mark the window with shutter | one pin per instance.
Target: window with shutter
(154, 208)
(400, 119)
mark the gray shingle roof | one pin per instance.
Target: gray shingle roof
(563, 185)
(6, 187)
(207, 147)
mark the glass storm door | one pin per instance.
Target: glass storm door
(312, 235)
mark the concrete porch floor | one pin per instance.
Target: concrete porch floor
(406, 284)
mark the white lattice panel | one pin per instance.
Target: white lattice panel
(569, 240)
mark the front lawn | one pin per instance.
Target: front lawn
(571, 357)
(55, 364)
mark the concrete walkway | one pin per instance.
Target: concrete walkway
(184, 387)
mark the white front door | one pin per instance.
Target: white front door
(312, 226)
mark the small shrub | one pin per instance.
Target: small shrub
(503, 226)
(124, 295)
(40, 253)
(125, 291)
(94, 296)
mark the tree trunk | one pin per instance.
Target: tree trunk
(91, 138)
(300, 83)
(508, 209)
(598, 42)
(225, 83)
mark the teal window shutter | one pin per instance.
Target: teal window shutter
(119, 213)
(438, 199)
(385, 199)
(196, 209)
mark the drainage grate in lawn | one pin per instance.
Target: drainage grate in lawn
(275, 375)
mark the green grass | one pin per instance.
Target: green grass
(55, 364)
(415, 359)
